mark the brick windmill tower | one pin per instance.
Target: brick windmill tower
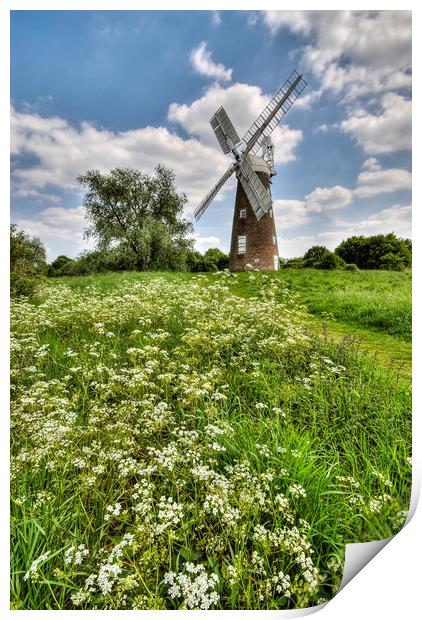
(254, 239)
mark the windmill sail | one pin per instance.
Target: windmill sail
(253, 139)
(279, 105)
(200, 210)
(258, 196)
(223, 129)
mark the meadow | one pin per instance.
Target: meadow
(184, 442)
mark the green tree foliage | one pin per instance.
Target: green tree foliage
(314, 254)
(27, 262)
(329, 260)
(376, 252)
(137, 219)
(213, 260)
(219, 258)
(61, 266)
(392, 262)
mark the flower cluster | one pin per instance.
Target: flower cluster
(194, 585)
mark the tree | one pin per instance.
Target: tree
(27, 254)
(314, 254)
(368, 252)
(329, 261)
(139, 213)
(392, 262)
(216, 256)
(27, 262)
(61, 266)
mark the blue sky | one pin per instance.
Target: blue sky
(93, 89)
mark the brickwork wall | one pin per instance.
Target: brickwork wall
(261, 236)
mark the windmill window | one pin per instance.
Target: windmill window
(241, 244)
(271, 212)
(242, 213)
(273, 240)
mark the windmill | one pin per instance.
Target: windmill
(254, 240)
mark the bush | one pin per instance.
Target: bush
(27, 262)
(204, 265)
(23, 284)
(61, 266)
(392, 262)
(314, 255)
(329, 261)
(351, 267)
(293, 263)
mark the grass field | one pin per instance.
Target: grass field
(186, 441)
(373, 307)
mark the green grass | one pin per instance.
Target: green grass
(380, 301)
(132, 387)
(371, 307)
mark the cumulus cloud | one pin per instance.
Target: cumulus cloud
(389, 131)
(375, 181)
(371, 164)
(294, 213)
(60, 229)
(397, 219)
(372, 181)
(201, 60)
(291, 213)
(297, 21)
(204, 242)
(36, 195)
(63, 152)
(352, 52)
(324, 199)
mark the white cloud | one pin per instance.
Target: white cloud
(243, 103)
(295, 246)
(216, 18)
(63, 152)
(374, 181)
(371, 164)
(397, 219)
(203, 242)
(324, 199)
(36, 195)
(60, 229)
(293, 213)
(307, 101)
(352, 52)
(201, 60)
(290, 213)
(389, 131)
(297, 21)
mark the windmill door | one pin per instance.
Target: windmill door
(275, 262)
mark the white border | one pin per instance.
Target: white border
(388, 587)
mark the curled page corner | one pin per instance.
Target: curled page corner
(359, 555)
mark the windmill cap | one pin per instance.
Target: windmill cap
(259, 164)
